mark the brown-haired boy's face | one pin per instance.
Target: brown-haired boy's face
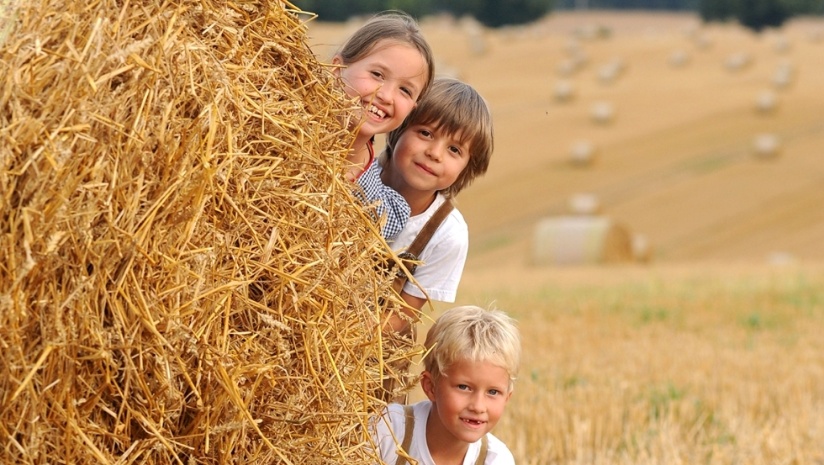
(425, 160)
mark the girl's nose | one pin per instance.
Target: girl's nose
(384, 92)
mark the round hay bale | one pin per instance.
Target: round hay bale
(475, 36)
(781, 44)
(766, 102)
(641, 248)
(602, 113)
(738, 61)
(702, 41)
(564, 91)
(679, 58)
(580, 240)
(447, 71)
(573, 64)
(610, 71)
(783, 76)
(572, 46)
(186, 276)
(766, 146)
(607, 74)
(584, 204)
(582, 153)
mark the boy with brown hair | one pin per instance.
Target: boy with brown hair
(443, 145)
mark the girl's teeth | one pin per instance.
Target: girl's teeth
(377, 111)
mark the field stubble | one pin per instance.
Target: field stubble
(709, 364)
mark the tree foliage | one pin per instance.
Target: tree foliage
(493, 13)
(497, 13)
(754, 14)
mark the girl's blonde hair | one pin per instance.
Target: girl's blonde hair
(474, 334)
(454, 107)
(389, 26)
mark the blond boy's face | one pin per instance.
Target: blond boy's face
(467, 402)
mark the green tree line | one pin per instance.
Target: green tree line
(754, 14)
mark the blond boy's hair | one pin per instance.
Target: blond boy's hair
(474, 334)
(386, 28)
(456, 108)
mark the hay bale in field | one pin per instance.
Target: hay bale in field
(679, 58)
(783, 76)
(573, 64)
(781, 44)
(564, 91)
(584, 203)
(641, 248)
(602, 113)
(766, 102)
(580, 240)
(610, 71)
(475, 35)
(185, 276)
(766, 146)
(582, 153)
(738, 61)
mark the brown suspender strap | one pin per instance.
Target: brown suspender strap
(407, 439)
(482, 454)
(414, 250)
(407, 434)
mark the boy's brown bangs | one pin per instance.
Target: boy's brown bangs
(451, 121)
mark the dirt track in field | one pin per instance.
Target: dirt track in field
(676, 164)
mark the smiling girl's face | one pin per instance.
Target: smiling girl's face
(389, 80)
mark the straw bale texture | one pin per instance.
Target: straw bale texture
(185, 277)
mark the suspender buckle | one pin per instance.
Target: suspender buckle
(409, 261)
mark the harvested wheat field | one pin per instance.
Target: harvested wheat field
(704, 143)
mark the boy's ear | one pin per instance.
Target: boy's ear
(428, 385)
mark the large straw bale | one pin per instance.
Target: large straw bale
(580, 240)
(185, 277)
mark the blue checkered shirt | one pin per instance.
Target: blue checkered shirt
(389, 204)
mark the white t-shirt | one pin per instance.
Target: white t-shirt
(442, 259)
(497, 453)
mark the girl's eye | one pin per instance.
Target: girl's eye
(455, 150)
(407, 91)
(425, 133)
(463, 387)
(377, 74)
(494, 392)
